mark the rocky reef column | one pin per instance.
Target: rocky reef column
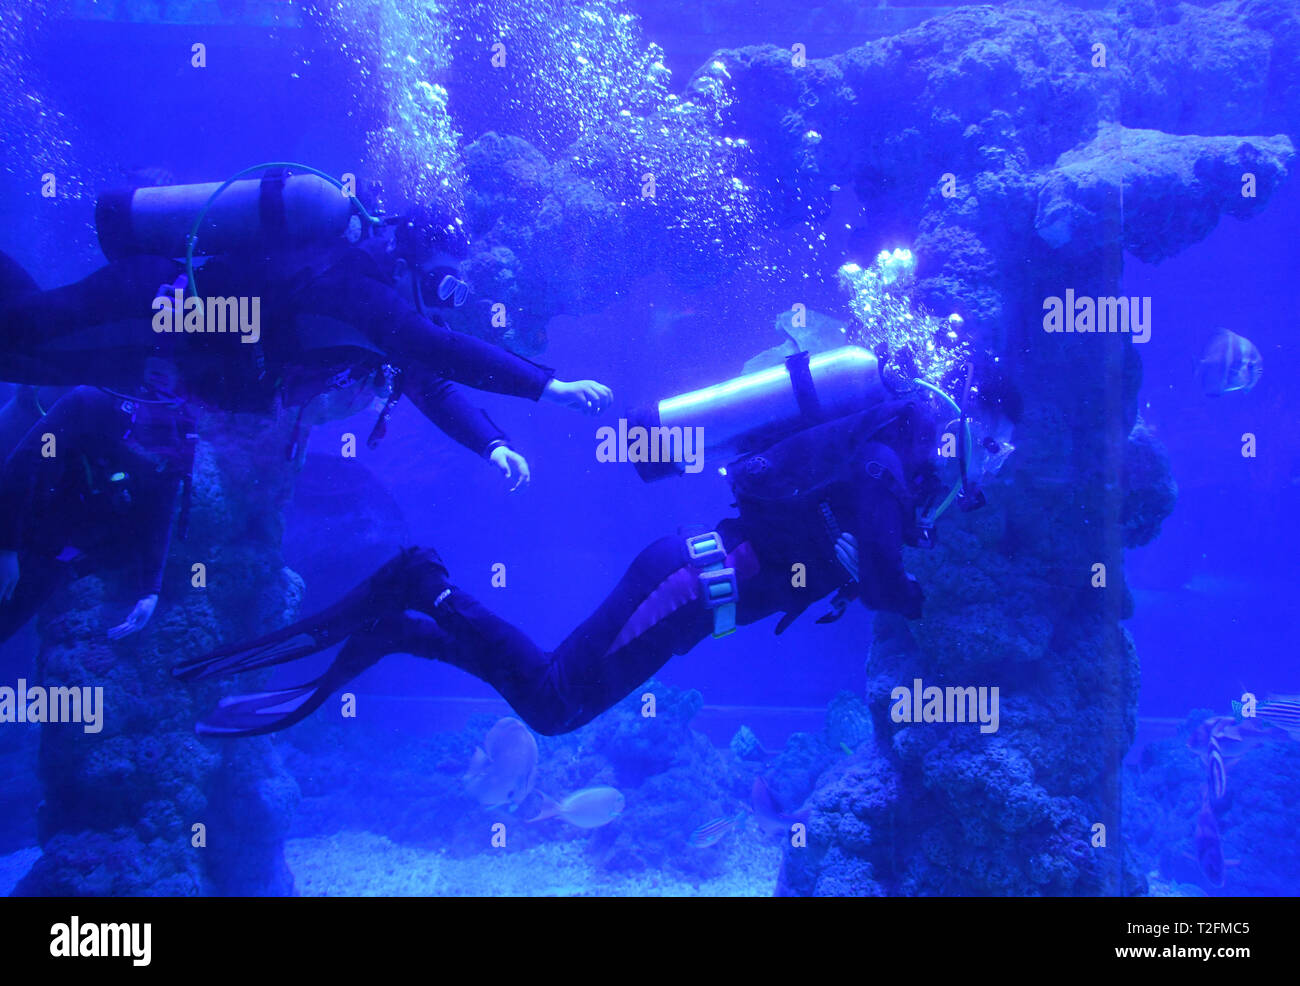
(143, 806)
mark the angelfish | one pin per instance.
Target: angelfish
(589, 808)
(1230, 363)
(503, 768)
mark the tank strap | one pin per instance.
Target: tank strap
(805, 391)
(270, 205)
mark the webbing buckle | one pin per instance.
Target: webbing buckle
(705, 550)
(719, 587)
(718, 583)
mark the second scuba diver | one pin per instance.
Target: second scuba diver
(825, 509)
(92, 485)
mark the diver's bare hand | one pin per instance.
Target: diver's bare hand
(588, 396)
(8, 575)
(846, 552)
(139, 617)
(512, 465)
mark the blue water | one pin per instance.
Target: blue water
(94, 90)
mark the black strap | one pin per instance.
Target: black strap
(270, 206)
(805, 393)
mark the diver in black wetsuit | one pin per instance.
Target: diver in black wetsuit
(839, 498)
(92, 485)
(330, 310)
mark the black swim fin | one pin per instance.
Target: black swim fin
(264, 712)
(261, 653)
(313, 633)
(380, 598)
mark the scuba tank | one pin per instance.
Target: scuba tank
(747, 412)
(274, 210)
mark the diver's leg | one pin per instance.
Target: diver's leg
(122, 291)
(653, 613)
(14, 280)
(382, 595)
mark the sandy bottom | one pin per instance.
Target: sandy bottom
(14, 867)
(362, 864)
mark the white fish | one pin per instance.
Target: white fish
(589, 808)
(502, 770)
(1231, 363)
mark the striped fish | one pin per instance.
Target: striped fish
(1218, 771)
(1278, 710)
(710, 833)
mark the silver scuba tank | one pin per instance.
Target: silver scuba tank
(736, 414)
(277, 209)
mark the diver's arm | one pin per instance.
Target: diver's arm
(156, 502)
(446, 405)
(388, 321)
(883, 582)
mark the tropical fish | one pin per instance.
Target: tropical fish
(1207, 843)
(1218, 772)
(771, 818)
(1221, 741)
(713, 831)
(1236, 738)
(1230, 363)
(503, 768)
(589, 808)
(1282, 711)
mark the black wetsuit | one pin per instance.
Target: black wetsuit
(97, 502)
(852, 475)
(321, 310)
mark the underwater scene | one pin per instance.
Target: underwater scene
(649, 448)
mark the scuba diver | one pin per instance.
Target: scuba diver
(92, 485)
(334, 309)
(836, 474)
